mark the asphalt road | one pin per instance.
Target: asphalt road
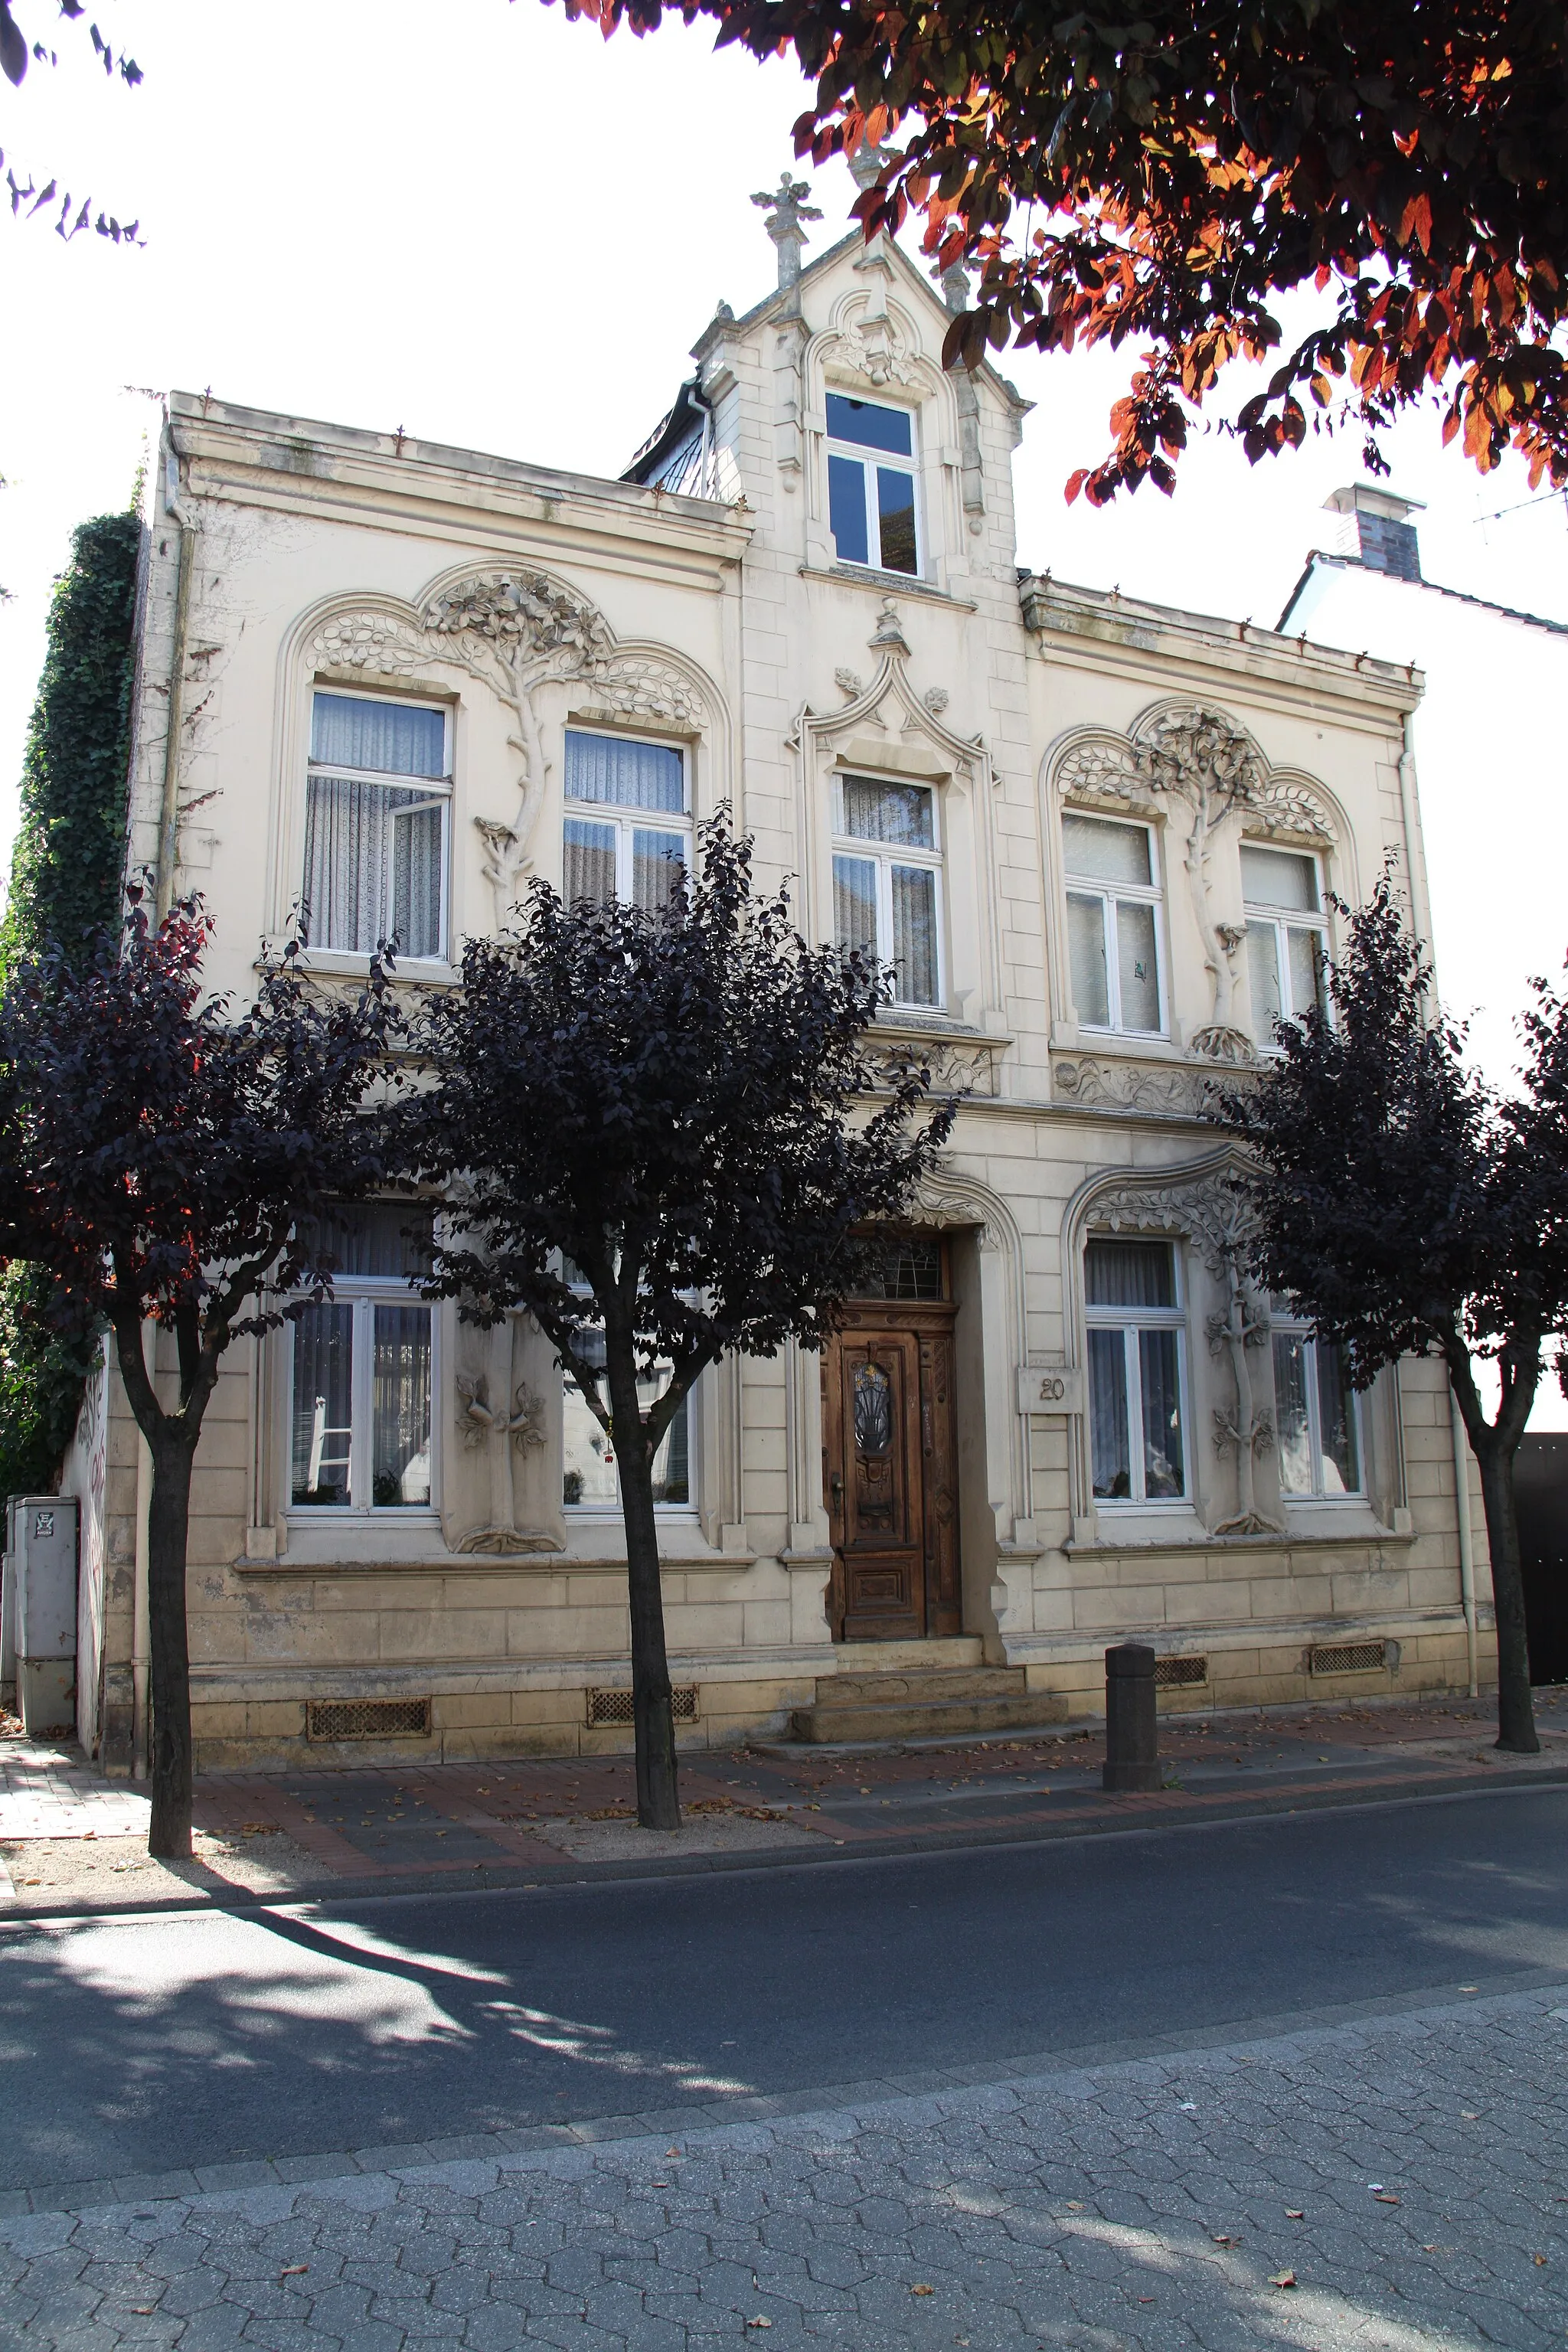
(140, 2044)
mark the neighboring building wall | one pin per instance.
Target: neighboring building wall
(372, 565)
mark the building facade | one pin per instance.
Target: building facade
(1095, 837)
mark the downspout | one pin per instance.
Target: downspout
(1466, 1537)
(1420, 909)
(169, 811)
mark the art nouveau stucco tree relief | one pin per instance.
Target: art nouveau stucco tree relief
(1201, 761)
(516, 634)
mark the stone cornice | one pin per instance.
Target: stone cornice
(1101, 631)
(384, 481)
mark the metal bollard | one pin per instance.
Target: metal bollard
(1132, 1739)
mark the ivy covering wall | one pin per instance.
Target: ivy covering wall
(66, 875)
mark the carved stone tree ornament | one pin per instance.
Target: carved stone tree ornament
(517, 632)
(1220, 1220)
(1203, 760)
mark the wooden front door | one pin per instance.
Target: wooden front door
(889, 1465)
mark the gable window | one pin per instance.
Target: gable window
(1316, 1416)
(376, 849)
(871, 503)
(1113, 924)
(1137, 1439)
(626, 832)
(589, 1480)
(362, 1372)
(1287, 936)
(887, 881)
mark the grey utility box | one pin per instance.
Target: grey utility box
(44, 1542)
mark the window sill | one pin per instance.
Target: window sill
(898, 583)
(333, 963)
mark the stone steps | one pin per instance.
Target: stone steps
(915, 1703)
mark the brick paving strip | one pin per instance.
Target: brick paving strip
(263, 1835)
(1391, 2182)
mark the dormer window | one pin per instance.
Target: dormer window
(871, 500)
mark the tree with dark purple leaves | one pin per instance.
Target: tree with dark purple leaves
(1410, 1208)
(166, 1160)
(664, 1132)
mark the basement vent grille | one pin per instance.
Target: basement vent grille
(367, 1718)
(616, 1706)
(1349, 1658)
(1168, 1671)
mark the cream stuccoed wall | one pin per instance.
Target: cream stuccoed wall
(727, 624)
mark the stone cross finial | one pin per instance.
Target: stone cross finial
(785, 212)
(868, 164)
(954, 283)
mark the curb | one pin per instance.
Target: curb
(516, 1877)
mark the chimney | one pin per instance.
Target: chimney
(1376, 530)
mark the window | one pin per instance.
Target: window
(1135, 1324)
(886, 869)
(625, 834)
(871, 484)
(361, 1373)
(588, 1481)
(1112, 924)
(375, 853)
(1286, 935)
(1316, 1416)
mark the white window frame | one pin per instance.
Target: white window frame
(868, 459)
(1294, 1328)
(627, 821)
(437, 790)
(1109, 893)
(605, 1512)
(364, 1293)
(1130, 1321)
(884, 856)
(1281, 920)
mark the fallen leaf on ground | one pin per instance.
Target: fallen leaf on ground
(759, 2323)
(1539, 2261)
(259, 1829)
(1385, 2196)
(1221, 2240)
(931, 2289)
(1282, 2278)
(1467, 2115)
(295, 2270)
(1073, 2205)
(1294, 2213)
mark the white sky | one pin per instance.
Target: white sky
(506, 234)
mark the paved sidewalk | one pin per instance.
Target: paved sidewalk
(1394, 2185)
(72, 1841)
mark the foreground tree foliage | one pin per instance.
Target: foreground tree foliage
(1407, 1208)
(1179, 170)
(20, 48)
(662, 1132)
(162, 1161)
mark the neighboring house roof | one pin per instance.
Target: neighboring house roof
(1433, 588)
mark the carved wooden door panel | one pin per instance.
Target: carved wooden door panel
(890, 1463)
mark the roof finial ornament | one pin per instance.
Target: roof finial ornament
(869, 161)
(785, 211)
(954, 280)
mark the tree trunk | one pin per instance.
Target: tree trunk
(1516, 1713)
(653, 1708)
(168, 1520)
